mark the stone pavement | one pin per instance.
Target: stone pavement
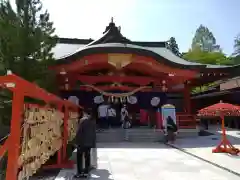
(202, 147)
(229, 131)
(149, 161)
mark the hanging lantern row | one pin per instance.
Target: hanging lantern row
(155, 101)
(74, 99)
(98, 99)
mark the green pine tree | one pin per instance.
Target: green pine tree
(27, 38)
(205, 40)
(237, 46)
(37, 37)
(173, 46)
(236, 54)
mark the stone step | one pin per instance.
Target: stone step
(139, 135)
(133, 135)
(111, 135)
(144, 136)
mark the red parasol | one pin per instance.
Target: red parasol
(222, 109)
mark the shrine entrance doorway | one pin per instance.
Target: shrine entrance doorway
(112, 113)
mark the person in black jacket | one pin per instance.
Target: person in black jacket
(85, 140)
(171, 129)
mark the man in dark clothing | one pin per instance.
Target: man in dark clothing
(85, 140)
(171, 129)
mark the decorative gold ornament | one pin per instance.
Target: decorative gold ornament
(119, 60)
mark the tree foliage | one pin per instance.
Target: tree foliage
(205, 40)
(26, 41)
(237, 46)
(205, 51)
(173, 46)
(204, 57)
(236, 54)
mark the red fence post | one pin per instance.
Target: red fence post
(59, 153)
(14, 148)
(65, 131)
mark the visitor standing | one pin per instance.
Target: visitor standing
(85, 141)
(102, 115)
(111, 115)
(124, 117)
(171, 129)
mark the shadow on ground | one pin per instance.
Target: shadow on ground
(45, 174)
(101, 174)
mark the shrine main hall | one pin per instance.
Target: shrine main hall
(143, 75)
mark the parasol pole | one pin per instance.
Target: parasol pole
(227, 146)
(224, 138)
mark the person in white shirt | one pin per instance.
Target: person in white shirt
(102, 115)
(111, 114)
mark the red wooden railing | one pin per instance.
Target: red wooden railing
(186, 121)
(22, 88)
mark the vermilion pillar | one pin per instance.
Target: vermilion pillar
(16, 122)
(187, 98)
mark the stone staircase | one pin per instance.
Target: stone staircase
(131, 135)
(111, 135)
(144, 135)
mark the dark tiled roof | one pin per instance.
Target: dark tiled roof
(161, 54)
(74, 41)
(113, 41)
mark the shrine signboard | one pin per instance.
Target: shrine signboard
(168, 110)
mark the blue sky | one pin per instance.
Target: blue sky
(148, 20)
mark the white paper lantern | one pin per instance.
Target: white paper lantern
(74, 99)
(98, 99)
(132, 99)
(155, 101)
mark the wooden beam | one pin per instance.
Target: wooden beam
(126, 88)
(146, 64)
(149, 64)
(120, 79)
(143, 81)
(87, 63)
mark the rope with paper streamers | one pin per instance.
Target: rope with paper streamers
(119, 95)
